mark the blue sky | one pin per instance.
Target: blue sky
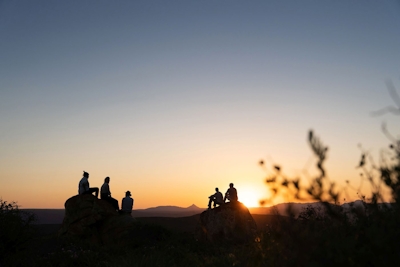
(138, 89)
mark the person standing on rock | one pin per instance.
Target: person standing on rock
(84, 188)
(217, 199)
(127, 203)
(105, 194)
(231, 194)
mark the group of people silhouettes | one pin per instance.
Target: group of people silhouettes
(127, 201)
(217, 199)
(105, 194)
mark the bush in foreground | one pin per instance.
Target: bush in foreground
(16, 228)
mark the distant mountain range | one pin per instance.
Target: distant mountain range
(56, 216)
(167, 211)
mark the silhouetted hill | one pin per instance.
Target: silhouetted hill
(47, 216)
(283, 208)
(176, 224)
(167, 211)
(294, 209)
(56, 216)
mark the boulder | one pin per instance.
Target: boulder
(94, 220)
(230, 222)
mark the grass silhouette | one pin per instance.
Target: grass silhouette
(317, 237)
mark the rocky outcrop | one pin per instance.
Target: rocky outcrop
(230, 222)
(95, 220)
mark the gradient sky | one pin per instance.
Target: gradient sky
(174, 98)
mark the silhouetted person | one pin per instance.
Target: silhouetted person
(105, 194)
(84, 188)
(217, 199)
(127, 203)
(231, 194)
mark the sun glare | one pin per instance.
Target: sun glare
(251, 196)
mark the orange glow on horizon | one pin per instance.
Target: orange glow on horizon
(250, 195)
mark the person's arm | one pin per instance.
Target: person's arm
(86, 185)
(108, 190)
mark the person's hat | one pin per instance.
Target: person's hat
(128, 193)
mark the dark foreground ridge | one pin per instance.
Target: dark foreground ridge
(56, 216)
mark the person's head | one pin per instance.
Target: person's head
(85, 174)
(107, 179)
(216, 189)
(231, 185)
(128, 193)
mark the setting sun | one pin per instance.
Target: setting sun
(251, 195)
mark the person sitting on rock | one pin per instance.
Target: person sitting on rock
(84, 188)
(105, 194)
(231, 194)
(216, 198)
(127, 203)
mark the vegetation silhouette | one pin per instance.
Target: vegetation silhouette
(362, 236)
(327, 235)
(16, 228)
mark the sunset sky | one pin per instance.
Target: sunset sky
(171, 99)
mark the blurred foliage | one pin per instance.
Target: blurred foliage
(331, 235)
(16, 228)
(328, 234)
(318, 188)
(324, 235)
(367, 234)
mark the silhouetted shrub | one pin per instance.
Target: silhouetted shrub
(366, 235)
(362, 235)
(15, 228)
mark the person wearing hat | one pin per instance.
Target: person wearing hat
(127, 203)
